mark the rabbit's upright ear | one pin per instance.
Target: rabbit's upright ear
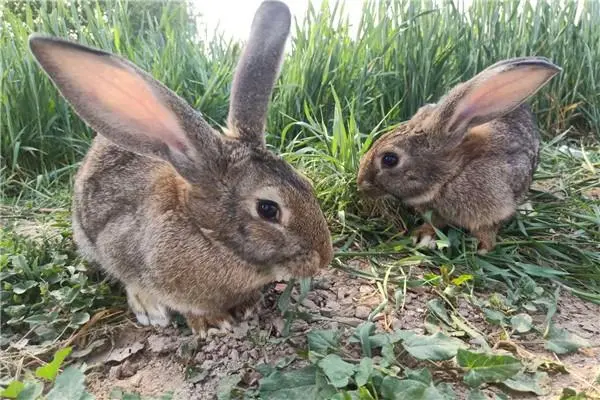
(125, 104)
(257, 71)
(494, 92)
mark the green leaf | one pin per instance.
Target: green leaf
(337, 370)
(483, 367)
(476, 394)
(79, 319)
(50, 370)
(436, 347)
(438, 308)
(69, 385)
(13, 389)
(305, 383)
(462, 279)
(31, 391)
(363, 332)
(226, 386)
(23, 286)
(528, 383)
(321, 341)
(394, 389)
(494, 316)
(521, 322)
(561, 341)
(364, 371)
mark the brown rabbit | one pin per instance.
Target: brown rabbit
(189, 220)
(470, 158)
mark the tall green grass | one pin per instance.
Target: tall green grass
(402, 54)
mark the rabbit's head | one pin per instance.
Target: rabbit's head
(414, 161)
(240, 195)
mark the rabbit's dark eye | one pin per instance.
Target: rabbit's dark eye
(389, 160)
(268, 210)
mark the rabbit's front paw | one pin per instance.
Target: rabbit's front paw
(213, 323)
(424, 236)
(147, 310)
(246, 308)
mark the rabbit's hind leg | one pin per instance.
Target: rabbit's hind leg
(147, 308)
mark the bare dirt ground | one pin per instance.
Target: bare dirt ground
(152, 362)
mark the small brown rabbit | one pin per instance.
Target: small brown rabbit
(470, 158)
(189, 220)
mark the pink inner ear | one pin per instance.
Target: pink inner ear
(500, 93)
(119, 93)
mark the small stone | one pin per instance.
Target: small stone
(299, 325)
(200, 357)
(211, 346)
(324, 284)
(396, 324)
(279, 325)
(364, 289)
(241, 330)
(244, 357)
(362, 312)
(161, 344)
(136, 381)
(310, 305)
(234, 355)
(253, 354)
(207, 364)
(115, 372)
(326, 312)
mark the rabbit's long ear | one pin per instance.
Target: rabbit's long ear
(495, 91)
(125, 104)
(257, 71)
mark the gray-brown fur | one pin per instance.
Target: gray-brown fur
(470, 158)
(172, 216)
(257, 72)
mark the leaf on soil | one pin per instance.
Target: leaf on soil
(522, 322)
(226, 386)
(321, 341)
(393, 388)
(79, 318)
(483, 367)
(476, 394)
(123, 353)
(438, 309)
(436, 347)
(494, 316)
(364, 371)
(31, 391)
(337, 370)
(305, 383)
(13, 389)
(69, 386)
(529, 383)
(363, 332)
(50, 370)
(561, 341)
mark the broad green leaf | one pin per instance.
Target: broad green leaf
(226, 386)
(435, 347)
(438, 308)
(363, 332)
(79, 319)
(305, 383)
(364, 371)
(462, 279)
(50, 370)
(23, 286)
(337, 370)
(31, 391)
(13, 389)
(68, 386)
(395, 389)
(561, 341)
(483, 367)
(421, 375)
(528, 383)
(521, 322)
(476, 394)
(494, 316)
(321, 341)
